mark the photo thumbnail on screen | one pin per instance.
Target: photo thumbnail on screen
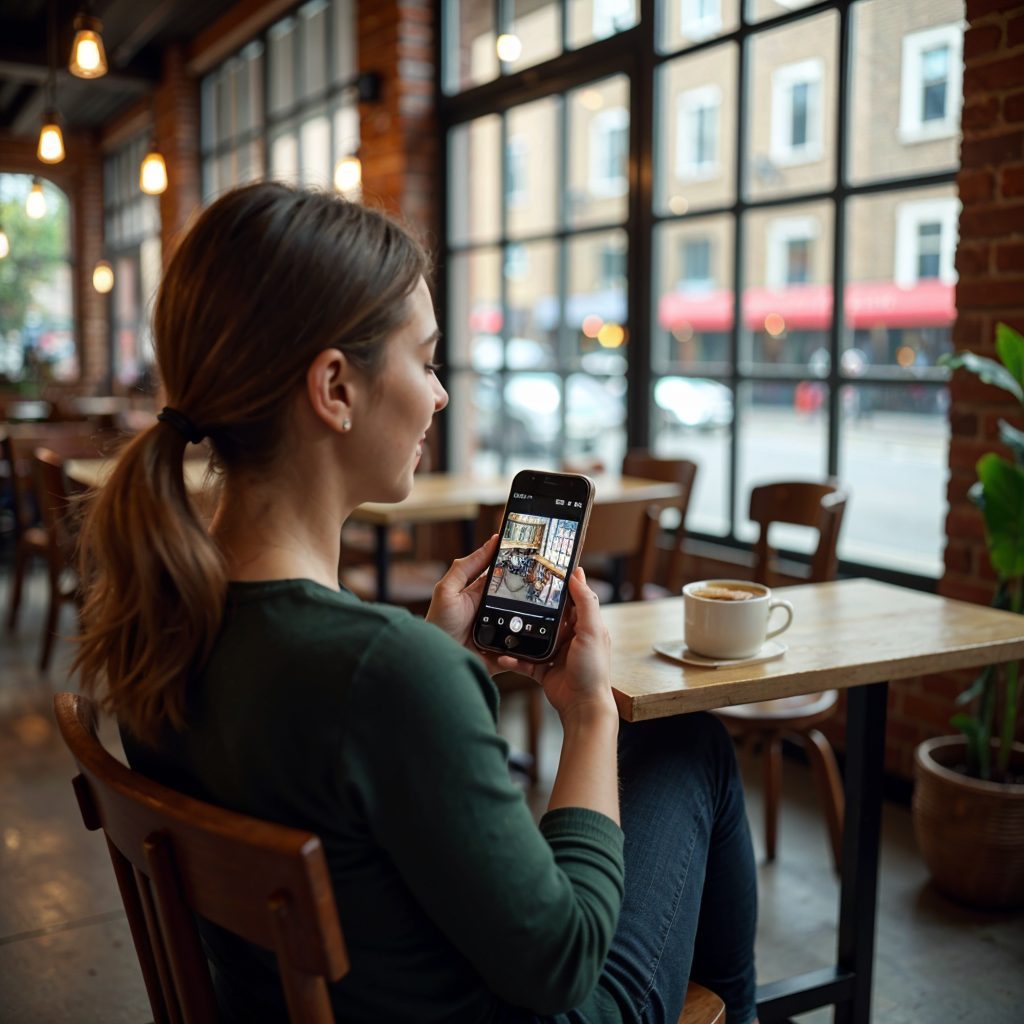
(533, 559)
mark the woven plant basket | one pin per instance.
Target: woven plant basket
(970, 832)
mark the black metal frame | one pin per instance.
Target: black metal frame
(364, 87)
(634, 53)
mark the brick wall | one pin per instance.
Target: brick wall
(80, 177)
(399, 133)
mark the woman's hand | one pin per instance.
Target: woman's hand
(457, 596)
(579, 678)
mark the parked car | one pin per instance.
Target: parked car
(693, 403)
(531, 418)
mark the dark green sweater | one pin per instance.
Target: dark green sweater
(376, 731)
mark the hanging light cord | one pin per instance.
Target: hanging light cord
(51, 80)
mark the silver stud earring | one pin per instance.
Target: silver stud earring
(346, 424)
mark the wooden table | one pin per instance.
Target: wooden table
(855, 635)
(451, 497)
(435, 497)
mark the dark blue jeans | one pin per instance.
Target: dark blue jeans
(690, 908)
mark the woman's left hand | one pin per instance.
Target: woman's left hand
(457, 595)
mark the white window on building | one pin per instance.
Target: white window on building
(611, 267)
(517, 262)
(609, 152)
(930, 83)
(790, 252)
(695, 259)
(611, 16)
(926, 241)
(700, 19)
(697, 132)
(796, 112)
(518, 188)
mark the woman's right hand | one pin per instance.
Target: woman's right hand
(579, 677)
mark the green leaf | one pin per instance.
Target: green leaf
(1010, 349)
(1003, 510)
(971, 730)
(977, 688)
(988, 371)
(1013, 439)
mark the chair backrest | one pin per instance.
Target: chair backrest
(625, 529)
(640, 462)
(175, 856)
(800, 503)
(55, 509)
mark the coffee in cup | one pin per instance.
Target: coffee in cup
(728, 619)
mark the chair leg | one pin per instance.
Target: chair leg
(535, 718)
(52, 620)
(21, 559)
(830, 788)
(771, 753)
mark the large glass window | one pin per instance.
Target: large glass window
(285, 105)
(133, 247)
(798, 232)
(37, 336)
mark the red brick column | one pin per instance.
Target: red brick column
(399, 144)
(176, 127)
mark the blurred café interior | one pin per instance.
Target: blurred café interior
(713, 245)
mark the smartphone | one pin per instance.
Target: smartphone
(539, 545)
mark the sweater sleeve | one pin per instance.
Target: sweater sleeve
(533, 910)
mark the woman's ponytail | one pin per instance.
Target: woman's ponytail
(155, 585)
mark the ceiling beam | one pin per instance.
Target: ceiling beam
(34, 68)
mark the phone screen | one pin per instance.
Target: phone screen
(538, 545)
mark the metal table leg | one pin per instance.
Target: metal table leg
(847, 986)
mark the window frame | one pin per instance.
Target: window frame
(784, 151)
(913, 128)
(909, 217)
(688, 103)
(641, 54)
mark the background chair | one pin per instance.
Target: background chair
(59, 552)
(175, 857)
(821, 507)
(641, 463)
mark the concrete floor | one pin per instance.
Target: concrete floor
(66, 954)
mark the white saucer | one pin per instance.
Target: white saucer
(678, 651)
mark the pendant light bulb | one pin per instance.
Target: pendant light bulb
(35, 204)
(348, 175)
(153, 173)
(103, 277)
(5, 244)
(51, 140)
(88, 58)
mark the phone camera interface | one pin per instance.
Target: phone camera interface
(527, 587)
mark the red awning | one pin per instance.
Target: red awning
(809, 307)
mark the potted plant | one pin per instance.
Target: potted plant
(968, 806)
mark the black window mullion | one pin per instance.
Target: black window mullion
(562, 258)
(503, 291)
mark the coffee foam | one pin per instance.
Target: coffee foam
(724, 594)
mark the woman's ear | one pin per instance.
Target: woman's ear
(332, 385)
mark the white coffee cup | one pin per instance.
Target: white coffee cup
(728, 619)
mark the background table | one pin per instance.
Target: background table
(854, 635)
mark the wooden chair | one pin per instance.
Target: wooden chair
(820, 506)
(175, 857)
(55, 510)
(17, 447)
(640, 462)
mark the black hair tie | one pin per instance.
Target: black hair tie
(182, 424)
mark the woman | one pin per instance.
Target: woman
(295, 331)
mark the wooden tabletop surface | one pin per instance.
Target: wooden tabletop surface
(435, 496)
(844, 634)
